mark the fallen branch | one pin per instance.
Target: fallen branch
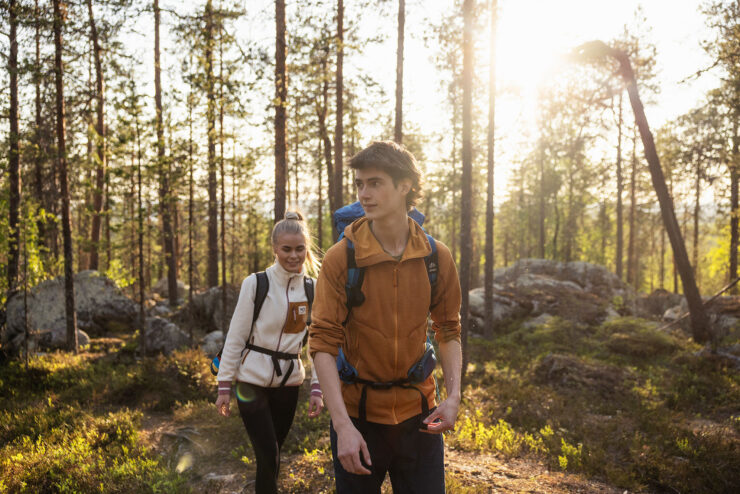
(705, 304)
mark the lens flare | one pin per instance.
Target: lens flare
(185, 463)
(245, 393)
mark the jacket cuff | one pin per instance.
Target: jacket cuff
(224, 387)
(316, 389)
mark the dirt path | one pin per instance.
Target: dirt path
(203, 449)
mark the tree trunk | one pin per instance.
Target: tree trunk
(324, 136)
(165, 206)
(489, 265)
(100, 144)
(398, 129)
(467, 172)
(280, 102)
(699, 320)
(212, 169)
(697, 210)
(620, 227)
(632, 214)
(734, 211)
(542, 197)
(69, 294)
(339, 129)
(224, 320)
(13, 155)
(140, 220)
(191, 192)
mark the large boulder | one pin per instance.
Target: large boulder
(161, 288)
(212, 342)
(100, 306)
(163, 336)
(575, 291)
(657, 303)
(207, 310)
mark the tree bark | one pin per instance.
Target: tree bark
(398, 128)
(632, 214)
(489, 254)
(140, 220)
(280, 102)
(699, 320)
(339, 129)
(224, 320)
(212, 169)
(163, 166)
(13, 155)
(467, 172)
(69, 294)
(38, 136)
(100, 144)
(620, 227)
(734, 211)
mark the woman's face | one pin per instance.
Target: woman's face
(290, 251)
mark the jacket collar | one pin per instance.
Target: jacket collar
(368, 250)
(283, 276)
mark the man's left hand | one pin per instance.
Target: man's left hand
(443, 417)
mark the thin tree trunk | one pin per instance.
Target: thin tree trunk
(140, 220)
(697, 210)
(163, 168)
(699, 321)
(324, 134)
(13, 155)
(632, 214)
(69, 294)
(489, 265)
(734, 206)
(281, 93)
(224, 319)
(39, 139)
(467, 172)
(191, 191)
(620, 228)
(212, 169)
(398, 129)
(542, 197)
(662, 259)
(319, 205)
(100, 144)
(339, 129)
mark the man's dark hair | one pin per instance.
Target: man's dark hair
(395, 160)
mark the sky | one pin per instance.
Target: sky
(532, 35)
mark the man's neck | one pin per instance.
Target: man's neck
(392, 232)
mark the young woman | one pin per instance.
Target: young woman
(263, 355)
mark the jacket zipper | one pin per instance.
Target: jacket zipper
(395, 336)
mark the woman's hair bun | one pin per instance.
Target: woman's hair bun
(293, 215)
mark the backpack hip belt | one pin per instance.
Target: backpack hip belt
(276, 358)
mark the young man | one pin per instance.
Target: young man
(379, 429)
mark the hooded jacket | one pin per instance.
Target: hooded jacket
(281, 326)
(385, 335)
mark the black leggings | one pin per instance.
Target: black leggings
(267, 414)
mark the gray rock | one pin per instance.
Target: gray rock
(673, 313)
(540, 320)
(212, 342)
(100, 306)
(206, 307)
(163, 336)
(161, 289)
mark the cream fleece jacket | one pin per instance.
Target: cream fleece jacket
(281, 326)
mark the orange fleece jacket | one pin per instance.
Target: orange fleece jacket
(385, 335)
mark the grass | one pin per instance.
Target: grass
(633, 406)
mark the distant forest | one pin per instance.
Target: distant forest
(180, 175)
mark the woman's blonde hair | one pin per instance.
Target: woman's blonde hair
(294, 223)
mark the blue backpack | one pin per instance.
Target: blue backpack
(424, 367)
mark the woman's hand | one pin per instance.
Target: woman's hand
(315, 405)
(222, 405)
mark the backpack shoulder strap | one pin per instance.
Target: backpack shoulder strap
(432, 262)
(263, 286)
(355, 277)
(308, 287)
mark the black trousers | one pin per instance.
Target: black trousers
(267, 414)
(413, 459)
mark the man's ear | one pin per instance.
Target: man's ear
(404, 186)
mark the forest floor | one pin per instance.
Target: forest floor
(556, 408)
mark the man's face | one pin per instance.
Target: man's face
(378, 195)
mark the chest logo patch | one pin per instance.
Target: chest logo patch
(301, 310)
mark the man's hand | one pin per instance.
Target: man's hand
(446, 414)
(222, 405)
(350, 445)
